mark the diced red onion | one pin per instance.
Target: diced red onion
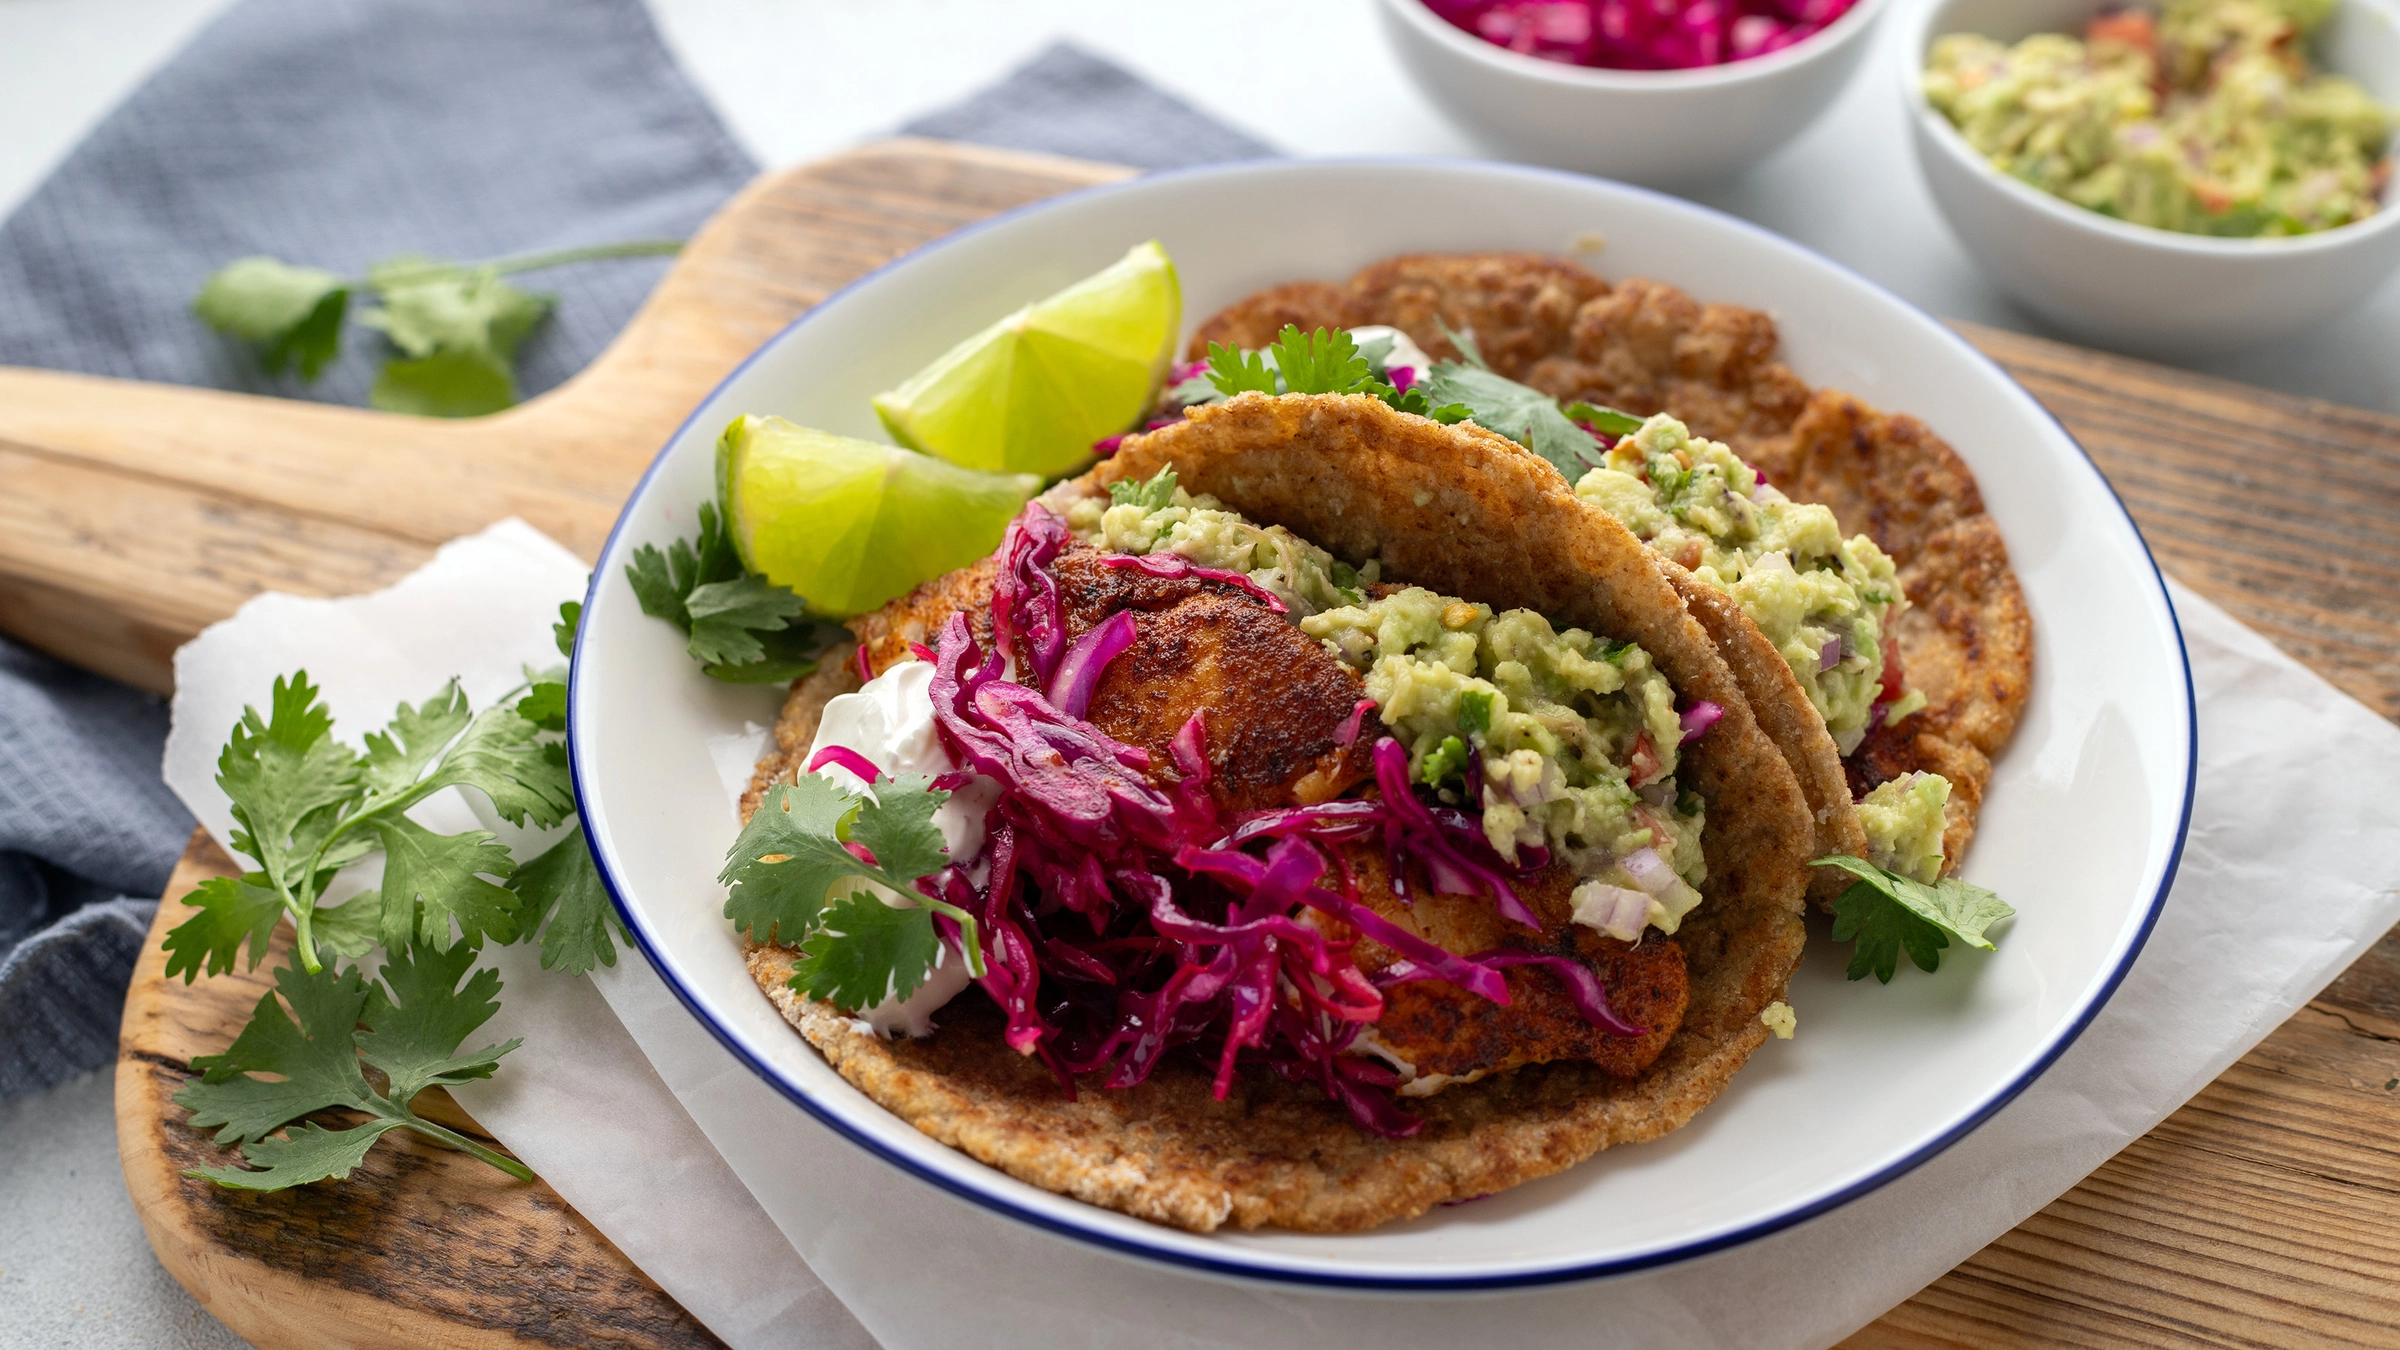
(1108, 445)
(1401, 378)
(1829, 655)
(1649, 871)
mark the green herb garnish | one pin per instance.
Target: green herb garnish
(740, 627)
(1884, 912)
(407, 1024)
(794, 852)
(1155, 494)
(454, 327)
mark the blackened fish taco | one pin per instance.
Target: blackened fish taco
(1313, 814)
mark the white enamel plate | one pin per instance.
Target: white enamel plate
(2081, 828)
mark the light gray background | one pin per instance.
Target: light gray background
(796, 79)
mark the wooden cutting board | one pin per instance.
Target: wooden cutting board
(2262, 1213)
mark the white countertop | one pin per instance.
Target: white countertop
(796, 79)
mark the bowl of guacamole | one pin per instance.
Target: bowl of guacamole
(2202, 116)
(2172, 178)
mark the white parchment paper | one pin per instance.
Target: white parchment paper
(718, 1187)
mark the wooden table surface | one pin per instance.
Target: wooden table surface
(2262, 1213)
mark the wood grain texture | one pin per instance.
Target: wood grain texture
(422, 1246)
(2260, 1214)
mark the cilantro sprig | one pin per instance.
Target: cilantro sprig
(405, 1025)
(1884, 912)
(1327, 361)
(306, 806)
(1330, 361)
(454, 328)
(1521, 412)
(742, 628)
(855, 949)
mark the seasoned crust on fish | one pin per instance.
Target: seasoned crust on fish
(1443, 1031)
(1465, 512)
(1644, 347)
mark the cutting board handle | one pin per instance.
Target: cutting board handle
(132, 515)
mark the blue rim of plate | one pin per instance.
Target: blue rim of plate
(1245, 1270)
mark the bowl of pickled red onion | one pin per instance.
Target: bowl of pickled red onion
(1662, 92)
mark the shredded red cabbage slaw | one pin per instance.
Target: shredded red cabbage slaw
(1121, 919)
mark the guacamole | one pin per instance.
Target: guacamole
(1159, 517)
(1825, 602)
(1903, 819)
(1565, 740)
(2205, 119)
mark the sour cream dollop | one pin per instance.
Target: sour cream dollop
(889, 723)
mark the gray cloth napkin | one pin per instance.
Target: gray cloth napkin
(327, 132)
(1066, 101)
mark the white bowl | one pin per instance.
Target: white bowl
(1660, 127)
(2081, 827)
(2130, 287)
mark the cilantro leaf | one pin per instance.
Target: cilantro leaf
(1606, 420)
(1155, 494)
(445, 384)
(1414, 400)
(414, 1031)
(570, 621)
(309, 1153)
(352, 928)
(1520, 412)
(411, 1034)
(502, 757)
(897, 827)
(1234, 371)
(430, 879)
(1448, 760)
(742, 628)
(1884, 912)
(458, 328)
(287, 779)
(232, 910)
(293, 315)
(316, 1056)
(398, 756)
(564, 879)
(1326, 361)
(545, 705)
(1475, 711)
(793, 852)
(799, 827)
(724, 613)
(865, 951)
(432, 306)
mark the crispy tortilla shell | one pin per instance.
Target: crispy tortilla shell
(1468, 513)
(1645, 347)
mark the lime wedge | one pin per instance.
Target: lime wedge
(1032, 392)
(849, 524)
